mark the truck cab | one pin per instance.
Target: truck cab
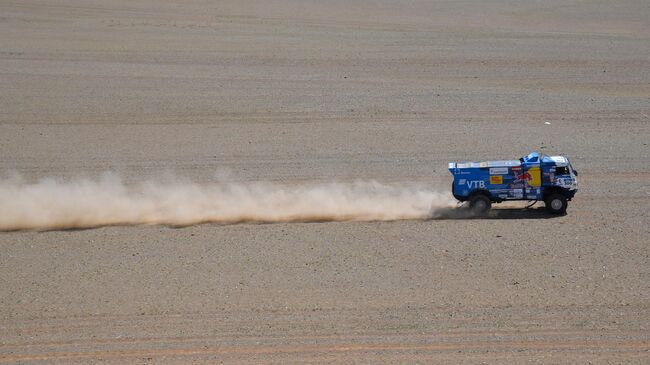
(532, 177)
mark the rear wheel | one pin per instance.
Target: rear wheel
(556, 203)
(479, 204)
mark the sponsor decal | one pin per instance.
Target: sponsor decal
(476, 184)
(498, 171)
(526, 176)
(496, 180)
(535, 176)
(565, 182)
(532, 177)
(461, 181)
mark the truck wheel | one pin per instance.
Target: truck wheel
(479, 204)
(556, 203)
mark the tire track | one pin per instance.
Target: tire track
(501, 335)
(549, 342)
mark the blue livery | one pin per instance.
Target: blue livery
(532, 177)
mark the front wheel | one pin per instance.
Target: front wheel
(556, 203)
(479, 204)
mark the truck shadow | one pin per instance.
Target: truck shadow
(495, 213)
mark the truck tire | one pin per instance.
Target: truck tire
(556, 203)
(479, 204)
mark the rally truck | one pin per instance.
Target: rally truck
(534, 177)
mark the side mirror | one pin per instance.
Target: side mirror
(575, 172)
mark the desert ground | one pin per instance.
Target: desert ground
(292, 91)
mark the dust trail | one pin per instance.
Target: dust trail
(85, 203)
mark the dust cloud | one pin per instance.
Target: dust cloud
(52, 203)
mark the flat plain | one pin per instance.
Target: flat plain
(294, 91)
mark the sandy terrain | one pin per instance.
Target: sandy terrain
(293, 91)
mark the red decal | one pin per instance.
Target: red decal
(525, 177)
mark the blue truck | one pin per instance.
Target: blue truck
(534, 177)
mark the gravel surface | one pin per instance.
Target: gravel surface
(289, 92)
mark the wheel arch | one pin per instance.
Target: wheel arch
(480, 192)
(551, 190)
